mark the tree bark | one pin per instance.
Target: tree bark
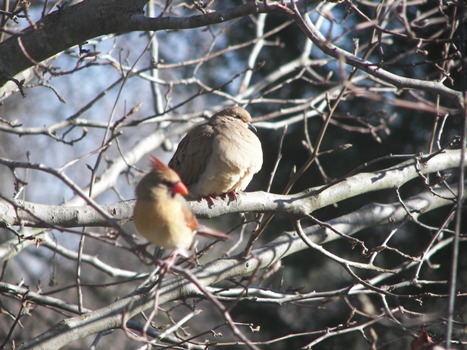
(63, 29)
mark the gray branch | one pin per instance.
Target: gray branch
(17, 212)
(74, 25)
(110, 317)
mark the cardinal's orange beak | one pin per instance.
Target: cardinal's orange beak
(180, 188)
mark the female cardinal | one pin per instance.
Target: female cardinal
(161, 213)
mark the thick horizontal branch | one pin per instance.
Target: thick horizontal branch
(299, 205)
(177, 287)
(18, 212)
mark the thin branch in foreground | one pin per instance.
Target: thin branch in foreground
(343, 262)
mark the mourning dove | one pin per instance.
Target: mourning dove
(161, 213)
(220, 156)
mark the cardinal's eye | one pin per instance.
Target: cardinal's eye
(169, 184)
(238, 116)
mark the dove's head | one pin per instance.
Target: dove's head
(237, 115)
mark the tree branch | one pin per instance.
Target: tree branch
(307, 26)
(16, 212)
(173, 288)
(65, 28)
